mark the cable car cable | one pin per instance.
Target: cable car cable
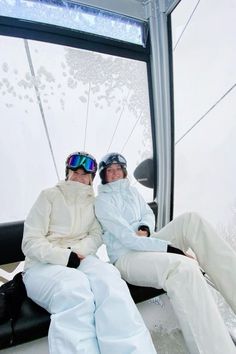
(134, 126)
(187, 23)
(118, 122)
(87, 116)
(40, 103)
(205, 114)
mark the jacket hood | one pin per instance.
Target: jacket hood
(117, 186)
(73, 190)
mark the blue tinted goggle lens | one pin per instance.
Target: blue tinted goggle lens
(76, 161)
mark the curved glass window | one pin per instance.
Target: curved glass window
(70, 14)
(56, 100)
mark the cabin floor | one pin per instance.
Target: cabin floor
(160, 319)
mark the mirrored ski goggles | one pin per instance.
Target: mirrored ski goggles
(75, 161)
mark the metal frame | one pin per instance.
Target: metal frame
(156, 13)
(130, 8)
(68, 37)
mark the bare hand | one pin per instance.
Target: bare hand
(142, 233)
(81, 257)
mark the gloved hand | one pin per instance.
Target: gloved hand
(172, 249)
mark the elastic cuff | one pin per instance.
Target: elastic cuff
(172, 249)
(73, 261)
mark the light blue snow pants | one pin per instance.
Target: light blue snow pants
(92, 310)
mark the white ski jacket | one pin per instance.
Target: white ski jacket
(61, 220)
(121, 210)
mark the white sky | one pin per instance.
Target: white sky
(204, 66)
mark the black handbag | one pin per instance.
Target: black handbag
(12, 294)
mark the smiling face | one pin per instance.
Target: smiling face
(80, 176)
(114, 172)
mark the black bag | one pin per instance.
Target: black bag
(12, 294)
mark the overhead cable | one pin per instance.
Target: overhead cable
(205, 114)
(118, 122)
(135, 124)
(87, 115)
(40, 103)
(186, 25)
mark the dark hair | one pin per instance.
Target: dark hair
(110, 159)
(103, 173)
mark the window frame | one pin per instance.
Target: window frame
(163, 173)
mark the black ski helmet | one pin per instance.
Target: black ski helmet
(109, 159)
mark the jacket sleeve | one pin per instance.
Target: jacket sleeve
(35, 244)
(113, 222)
(91, 243)
(148, 217)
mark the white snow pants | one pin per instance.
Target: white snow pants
(92, 310)
(201, 323)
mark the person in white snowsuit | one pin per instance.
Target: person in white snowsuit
(161, 261)
(91, 309)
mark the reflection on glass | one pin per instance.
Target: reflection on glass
(55, 100)
(72, 15)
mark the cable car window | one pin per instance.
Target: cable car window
(70, 14)
(204, 56)
(56, 100)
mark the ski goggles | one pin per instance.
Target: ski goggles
(114, 158)
(77, 160)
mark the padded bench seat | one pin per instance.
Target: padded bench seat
(33, 321)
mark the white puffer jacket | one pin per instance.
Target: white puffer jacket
(121, 210)
(61, 220)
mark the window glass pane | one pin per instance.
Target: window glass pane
(83, 18)
(205, 125)
(56, 100)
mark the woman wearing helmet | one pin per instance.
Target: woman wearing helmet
(91, 308)
(161, 261)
